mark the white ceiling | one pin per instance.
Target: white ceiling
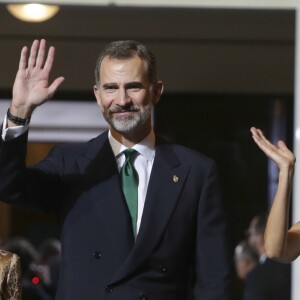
(275, 4)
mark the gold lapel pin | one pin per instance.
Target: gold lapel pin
(175, 178)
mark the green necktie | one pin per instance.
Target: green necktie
(129, 178)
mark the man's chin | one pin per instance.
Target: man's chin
(124, 127)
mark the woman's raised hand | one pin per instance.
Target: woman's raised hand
(280, 154)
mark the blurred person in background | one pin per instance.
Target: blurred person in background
(245, 259)
(49, 256)
(270, 279)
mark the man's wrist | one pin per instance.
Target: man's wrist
(16, 119)
(21, 111)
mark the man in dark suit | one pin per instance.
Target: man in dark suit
(168, 244)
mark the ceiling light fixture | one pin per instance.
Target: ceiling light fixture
(33, 12)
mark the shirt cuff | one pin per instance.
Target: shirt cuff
(9, 133)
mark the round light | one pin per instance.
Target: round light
(32, 12)
(35, 280)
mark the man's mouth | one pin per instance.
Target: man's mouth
(121, 111)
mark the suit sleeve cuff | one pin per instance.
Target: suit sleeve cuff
(9, 133)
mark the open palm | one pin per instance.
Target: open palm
(280, 154)
(31, 87)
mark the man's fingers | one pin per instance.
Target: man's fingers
(54, 86)
(33, 53)
(36, 56)
(50, 59)
(40, 65)
(41, 54)
(23, 58)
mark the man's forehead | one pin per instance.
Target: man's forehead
(114, 67)
(109, 59)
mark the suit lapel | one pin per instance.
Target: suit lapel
(102, 175)
(166, 182)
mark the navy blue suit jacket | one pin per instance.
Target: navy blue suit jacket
(180, 252)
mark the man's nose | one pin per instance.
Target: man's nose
(123, 97)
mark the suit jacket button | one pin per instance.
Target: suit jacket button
(97, 254)
(162, 268)
(142, 296)
(108, 289)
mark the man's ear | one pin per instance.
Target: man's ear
(159, 88)
(96, 93)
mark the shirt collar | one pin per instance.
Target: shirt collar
(146, 147)
(262, 258)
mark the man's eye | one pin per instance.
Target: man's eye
(110, 89)
(135, 89)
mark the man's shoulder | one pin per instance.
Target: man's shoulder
(95, 143)
(185, 153)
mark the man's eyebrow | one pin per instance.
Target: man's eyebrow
(109, 85)
(135, 84)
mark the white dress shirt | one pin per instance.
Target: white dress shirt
(9, 133)
(143, 164)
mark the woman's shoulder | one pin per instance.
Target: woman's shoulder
(7, 256)
(10, 274)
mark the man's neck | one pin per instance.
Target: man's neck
(130, 139)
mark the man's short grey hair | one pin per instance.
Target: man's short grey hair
(124, 50)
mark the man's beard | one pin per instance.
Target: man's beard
(129, 123)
